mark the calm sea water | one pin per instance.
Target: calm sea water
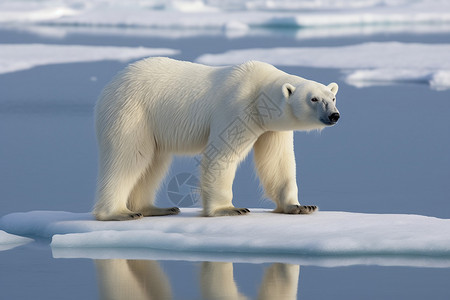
(390, 153)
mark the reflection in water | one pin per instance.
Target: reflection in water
(280, 282)
(217, 281)
(131, 279)
(144, 279)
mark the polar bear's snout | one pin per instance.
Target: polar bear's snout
(329, 116)
(334, 117)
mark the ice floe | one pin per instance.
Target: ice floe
(218, 13)
(17, 57)
(363, 64)
(186, 14)
(9, 241)
(261, 232)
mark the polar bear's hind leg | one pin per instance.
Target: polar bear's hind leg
(114, 187)
(119, 171)
(143, 195)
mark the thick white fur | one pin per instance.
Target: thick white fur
(158, 107)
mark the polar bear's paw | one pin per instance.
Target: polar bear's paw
(156, 211)
(229, 211)
(300, 209)
(119, 217)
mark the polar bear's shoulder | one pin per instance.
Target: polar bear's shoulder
(255, 66)
(253, 72)
(164, 63)
(248, 67)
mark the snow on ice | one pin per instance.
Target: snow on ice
(9, 241)
(261, 232)
(364, 64)
(17, 57)
(218, 13)
(416, 14)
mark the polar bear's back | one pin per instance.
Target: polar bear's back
(165, 98)
(173, 82)
(177, 102)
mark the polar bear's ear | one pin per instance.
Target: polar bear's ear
(288, 89)
(333, 87)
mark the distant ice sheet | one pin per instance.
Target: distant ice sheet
(261, 232)
(230, 15)
(17, 57)
(9, 241)
(363, 64)
(12, 11)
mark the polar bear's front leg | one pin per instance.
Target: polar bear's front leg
(275, 163)
(217, 185)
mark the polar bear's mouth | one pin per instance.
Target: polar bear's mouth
(327, 122)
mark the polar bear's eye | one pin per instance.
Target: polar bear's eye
(314, 99)
(334, 99)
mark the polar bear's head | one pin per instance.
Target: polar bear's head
(313, 105)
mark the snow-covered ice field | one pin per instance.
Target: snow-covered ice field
(382, 232)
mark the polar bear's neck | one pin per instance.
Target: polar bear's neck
(271, 105)
(261, 84)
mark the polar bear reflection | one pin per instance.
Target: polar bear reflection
(280, 282)
(131, 279)
(143, 279)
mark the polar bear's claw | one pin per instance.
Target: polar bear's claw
(124, 217)
(157, 211)
(136, 216)
(232, 211)
(301, 209)
(174, 210)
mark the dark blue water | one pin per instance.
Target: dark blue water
(31, 273)
(389, 153)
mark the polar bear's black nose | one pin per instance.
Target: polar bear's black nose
(334, 117)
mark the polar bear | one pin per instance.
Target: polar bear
(159, 107)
